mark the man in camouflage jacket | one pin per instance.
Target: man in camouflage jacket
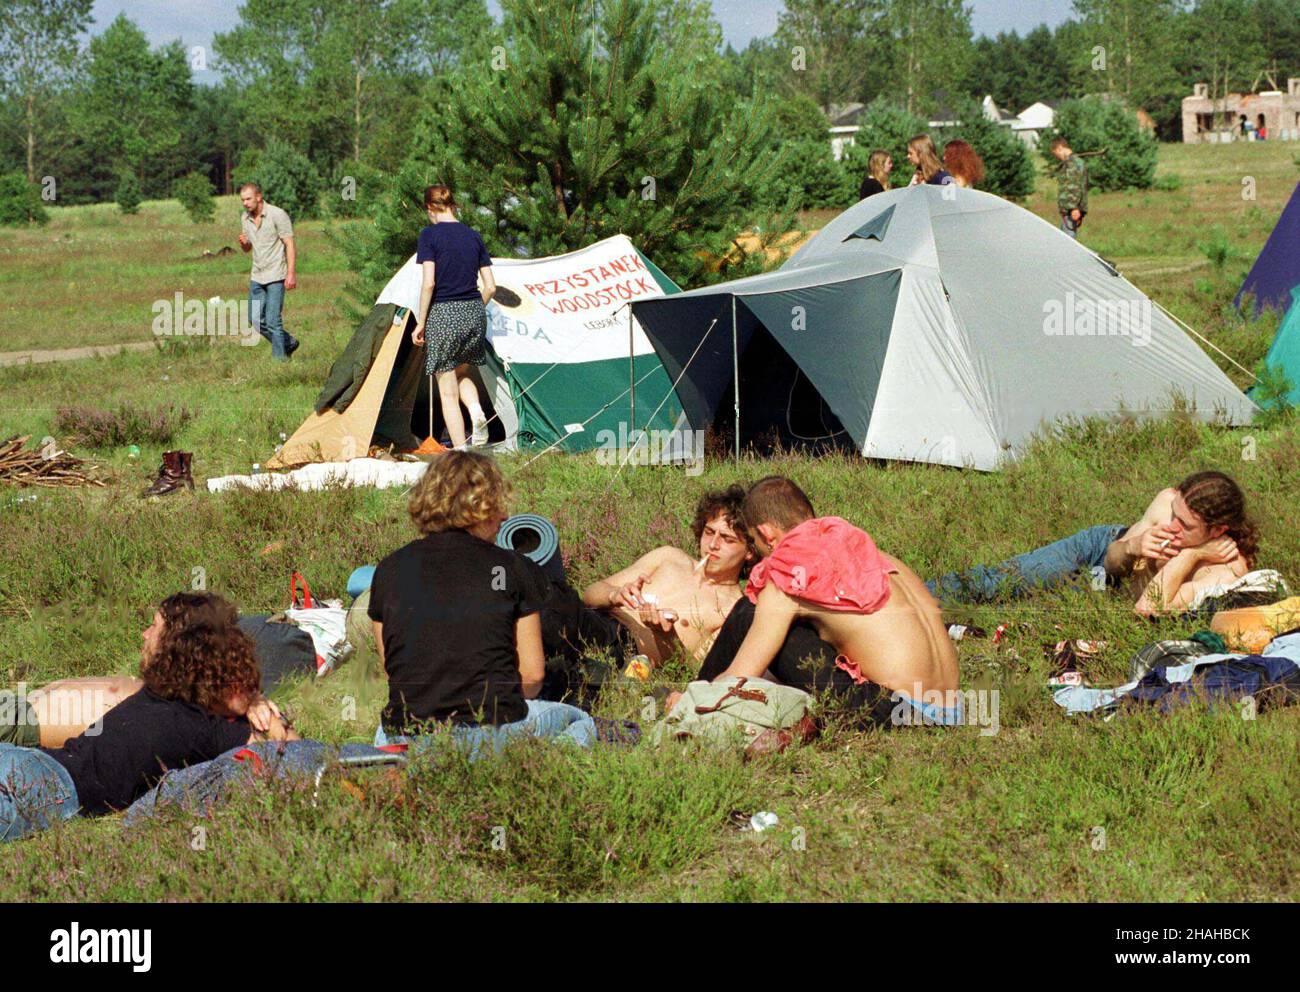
(1072, 200)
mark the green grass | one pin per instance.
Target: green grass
(1198, 805)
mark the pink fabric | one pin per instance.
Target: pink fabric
(829, 562)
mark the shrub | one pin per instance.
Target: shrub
(1169, 183)
(96, 428)
(811, 167)
(128, 193)
(195, 193)
(20, 201)
(1094, 124)
(286, 176)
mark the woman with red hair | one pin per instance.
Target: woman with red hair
(964, 163)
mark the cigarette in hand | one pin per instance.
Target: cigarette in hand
(1165, 543)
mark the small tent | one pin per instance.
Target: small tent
(1284, 353)
(568, 366)
(930, 324)
(1276, 271)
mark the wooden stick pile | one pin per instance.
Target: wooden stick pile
(33, 468)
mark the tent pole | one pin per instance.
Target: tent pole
(431, 409)
(735, 364)
(631, 377)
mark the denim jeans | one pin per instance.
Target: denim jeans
(1043, 568)
(35, 792)
(265, 303)
(544, 719)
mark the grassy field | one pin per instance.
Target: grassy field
(1199, 805)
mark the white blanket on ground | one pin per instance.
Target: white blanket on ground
(376, 472)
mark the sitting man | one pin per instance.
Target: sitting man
(825, 609)
(667, 598)
(1192, 538)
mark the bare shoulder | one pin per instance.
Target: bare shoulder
(670, 557)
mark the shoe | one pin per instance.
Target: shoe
(293, 346)
(478, 436)
(187, 469)
(173, 475)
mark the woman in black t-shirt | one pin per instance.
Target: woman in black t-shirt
(879, 166)
(452, 312)
(200, 681)
(457, 618)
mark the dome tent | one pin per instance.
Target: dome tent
(930, 324)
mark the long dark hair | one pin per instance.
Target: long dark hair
(1218, 500)
(202, 657)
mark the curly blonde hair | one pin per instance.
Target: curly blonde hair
(460, 490)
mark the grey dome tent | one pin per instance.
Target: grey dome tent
(930, 324)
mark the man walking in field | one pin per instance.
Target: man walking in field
(267, 232)
(1072, 199)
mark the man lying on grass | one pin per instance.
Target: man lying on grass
(666, 598)
(58, 711)
(198, 671)
(825, 610)
(1193, 538)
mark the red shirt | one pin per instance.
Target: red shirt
(829, 562)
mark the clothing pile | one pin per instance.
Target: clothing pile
(1270, 678)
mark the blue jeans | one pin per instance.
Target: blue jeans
(544, 719)
(35, 792)
(265, 303)
(1040, 569)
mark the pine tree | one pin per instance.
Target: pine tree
(585, 121)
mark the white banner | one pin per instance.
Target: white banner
(559, 310)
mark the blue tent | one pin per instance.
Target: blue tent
(1277, 270)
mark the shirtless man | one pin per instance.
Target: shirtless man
(1193, 536)
(826, 610)
(666, 598)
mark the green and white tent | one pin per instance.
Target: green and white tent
(568, 365)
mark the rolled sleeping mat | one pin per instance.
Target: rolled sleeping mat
(535, 537)
(360, 579)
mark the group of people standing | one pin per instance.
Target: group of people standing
(962, 166)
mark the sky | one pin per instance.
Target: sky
(194, 22)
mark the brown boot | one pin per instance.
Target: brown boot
(187, 466)
(171, 476)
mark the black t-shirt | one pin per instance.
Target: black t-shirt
(449, 603)
(870, 187)
(457, 253)
(143, 737)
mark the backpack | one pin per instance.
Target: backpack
(739, 711)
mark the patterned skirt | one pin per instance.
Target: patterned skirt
(455, 334)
